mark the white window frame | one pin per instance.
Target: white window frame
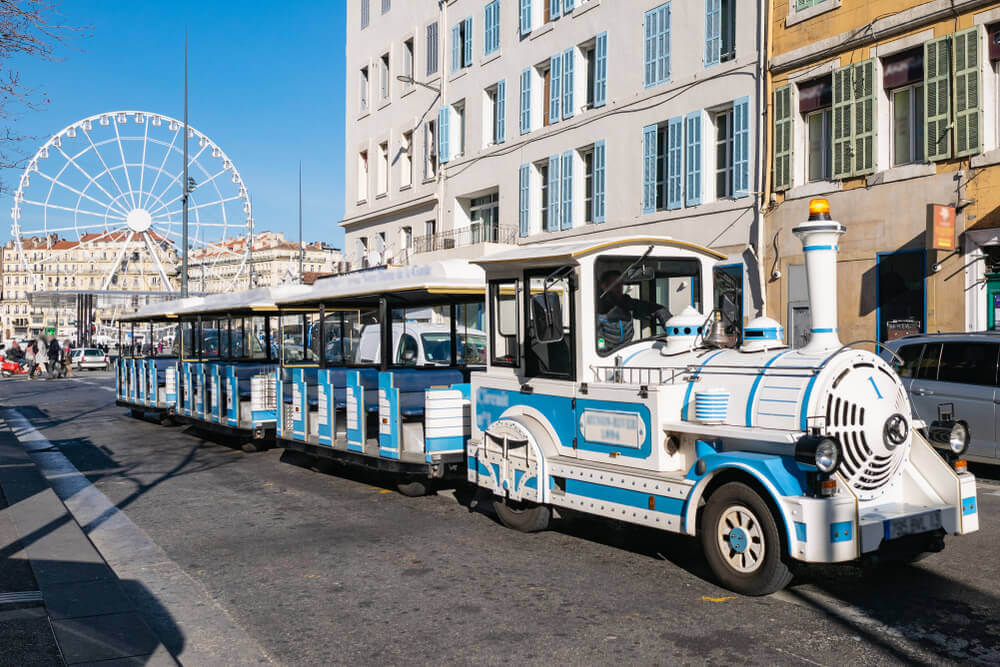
(365, 86)
(798, 15)
(409, 60)
(364, 166)
(715, 115)
(382, 170)
(385, 73)
(406, 160)
(827, 114)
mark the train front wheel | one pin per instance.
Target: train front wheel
(742, 543)
(527, 517)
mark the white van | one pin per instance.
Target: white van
(422, 344)
(955, 374)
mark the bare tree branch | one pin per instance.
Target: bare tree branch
(32, 28)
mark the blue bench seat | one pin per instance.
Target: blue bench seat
(413, 384)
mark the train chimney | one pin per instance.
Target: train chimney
(820, 236)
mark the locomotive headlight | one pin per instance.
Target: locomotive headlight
(823, 453)
(952, 434)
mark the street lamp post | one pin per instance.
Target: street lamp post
(184, 183)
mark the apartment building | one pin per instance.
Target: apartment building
(222, 266)
(888, 108)
(476, 124)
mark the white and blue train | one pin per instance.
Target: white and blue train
(593, 376)
(608, 391)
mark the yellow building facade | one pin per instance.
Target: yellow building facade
(887, 108)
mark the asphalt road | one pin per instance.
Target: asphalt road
(323, 568)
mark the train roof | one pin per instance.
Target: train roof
(259, 298)
(571, 251)
(455, 278)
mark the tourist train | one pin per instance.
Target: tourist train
(595, 376)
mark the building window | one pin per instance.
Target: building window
(900, 297)
(363, 251)
(491, 35)
(459, 111)
(384, 76)
(430, 149)
(408, 62)
(545, 72)
(432, 49)
(495, 114)
(363, 176)
(806, 4)
(364, 14)
(720, 31)
(430, 227)
(723, 122)
(590, 61)
(385, 5)
(484, 216)
(657, 45)
(383, 169)
(406, 160)
(907, 125)
(461, 45)
(381, 247)
(588, 185)
(818, 139)
(364, 89)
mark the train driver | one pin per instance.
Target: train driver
(616, 311)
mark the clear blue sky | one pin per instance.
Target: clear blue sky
(266, 83)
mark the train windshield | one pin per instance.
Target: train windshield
(636, 295)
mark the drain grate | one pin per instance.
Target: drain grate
(18, 598)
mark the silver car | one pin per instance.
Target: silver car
(956, 374)
(90, 358)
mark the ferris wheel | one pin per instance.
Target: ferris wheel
(100, 206)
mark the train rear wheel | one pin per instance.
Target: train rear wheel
(525, 516)
(414, 487)
(742, 543)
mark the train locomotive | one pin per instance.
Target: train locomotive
(610, 392)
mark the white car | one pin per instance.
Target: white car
(423, 344)
(90, 358)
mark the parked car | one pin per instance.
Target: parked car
(957, 374)
(90, 358)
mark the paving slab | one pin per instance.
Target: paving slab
(28, 642)
(86, 598)
(158, 659)
(95, 638)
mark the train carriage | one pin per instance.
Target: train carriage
(228, 353)
(405, 411)
(146, 379)
(611, 389)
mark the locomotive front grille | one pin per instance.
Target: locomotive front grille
(867, 465)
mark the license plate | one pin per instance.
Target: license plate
(912, 525)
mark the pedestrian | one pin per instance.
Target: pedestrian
(15, 353)
(42, 354)
(67, 357)
(55, 355)
(29, 358)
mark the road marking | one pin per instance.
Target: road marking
(211, 635)
(722, 599)
(94, 384)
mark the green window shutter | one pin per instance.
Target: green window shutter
(782, 168)
(937, 98)
(843, 163)
(968, 93)
(865, 145)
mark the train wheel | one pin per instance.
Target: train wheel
(525, 516)
(414, 488)
(252, 446)
(742, 543)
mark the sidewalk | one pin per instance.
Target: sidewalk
(60, 602)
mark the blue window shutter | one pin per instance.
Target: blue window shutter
(741, 147)
(524, 199)
(555, 9)
(567, 84)
(456, 48)
(555, 201)
(693, 145)
(568, 6)
(467, 53)
(649, 169)
(713, 31)
(525, 17)
(496, 25)
(649, 49)
(601, 70)
(526, 101)
(555, 89)
(444, 115)
(599, 189)
(501, 128)
(567, 190)
(663, 69)
(487, 29)
(675, 134)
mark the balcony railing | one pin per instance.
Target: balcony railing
(466, 236)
